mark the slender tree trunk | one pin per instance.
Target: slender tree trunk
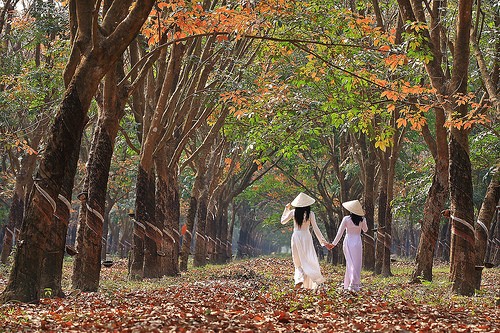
(213, 246)
(382, 204)
(200, 256)
(493, 248)
(230, 234)
(190, 222)
(368, 203)
(222, 235)
(15, 219)
(367, 161)
(24, 182)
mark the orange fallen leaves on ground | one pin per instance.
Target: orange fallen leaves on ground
(257, 295)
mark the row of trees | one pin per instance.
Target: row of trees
(188, 107)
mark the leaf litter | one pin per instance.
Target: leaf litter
(257, 295)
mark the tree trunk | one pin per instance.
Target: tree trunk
(87, 264)
(482, 227)
(211, 236)
(200, 255)
(15, 219)
(168, 208)
(462, 210)
(434, 204)
(230, 233)
(493, 248)
(461, 190)
(368, 203)
(187, 237)
(24, 182)
(37, 238)
(222, 235)
(144, 212)
(382, 204)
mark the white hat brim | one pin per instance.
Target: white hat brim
(302, 200)
(354, 206)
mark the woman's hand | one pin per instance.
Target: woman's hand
(329, 246)
(289, 206)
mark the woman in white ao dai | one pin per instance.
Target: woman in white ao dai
(307, 270)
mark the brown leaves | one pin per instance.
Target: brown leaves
(258, 295)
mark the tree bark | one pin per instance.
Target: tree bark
(87, 264)
(200, 255)
(483, 225)
(381, 218)
(434, 204)
(367, 160)
(25, 282)
(187, 237)
(144, 213)
(168, 212)
(462, 209)
(24, 182)
(460, 179)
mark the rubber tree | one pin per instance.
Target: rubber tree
(96, 48)
(449, 90)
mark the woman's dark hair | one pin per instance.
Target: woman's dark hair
(356, 219)
(298, 215)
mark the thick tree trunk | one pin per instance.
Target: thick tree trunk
(168, 210)
(461, 190)
(482, 227)
(154, 250)
(37, 239)
(462, 210)
(144, 212)
(87, 264)
(51, 275)
(434, 204)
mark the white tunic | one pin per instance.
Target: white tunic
(353, 251)
(305, 260)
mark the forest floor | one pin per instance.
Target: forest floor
(257, 295)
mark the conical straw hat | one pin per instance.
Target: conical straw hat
(354, 206)
(302, 200)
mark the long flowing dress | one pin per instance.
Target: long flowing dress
(353, 251)
(305, 259)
